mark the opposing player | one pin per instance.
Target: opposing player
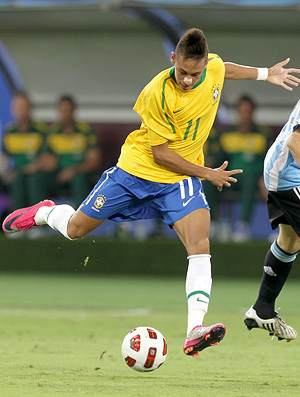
(282, 179)
(160, 169)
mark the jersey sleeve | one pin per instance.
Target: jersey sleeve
(154, 105)
(90, 135)
(43, 130)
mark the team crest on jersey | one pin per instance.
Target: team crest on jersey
(99, 202)
(216, 93)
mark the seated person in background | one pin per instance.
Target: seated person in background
(244, 146)
(76, 147)
(28, 164)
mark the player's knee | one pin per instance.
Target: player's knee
(75, 231)
(198, 246)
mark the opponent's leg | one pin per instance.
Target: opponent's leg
(193, 230)
(277, 266)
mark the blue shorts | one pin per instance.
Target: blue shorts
(120, 196)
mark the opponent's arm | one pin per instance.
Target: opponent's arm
(162, 155)
(294, 145)
(277, 74)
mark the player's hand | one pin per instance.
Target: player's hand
(220, 177)
(31, 168)
(278, 75)
(65, 175)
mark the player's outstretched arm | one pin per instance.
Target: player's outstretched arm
(277, 74)
(219, 177)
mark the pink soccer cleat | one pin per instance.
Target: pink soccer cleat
(202, 337)
(23, 219)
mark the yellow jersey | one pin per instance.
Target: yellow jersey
(183, 119)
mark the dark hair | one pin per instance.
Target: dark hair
(192, 45)
(67, 98)
(247, 98)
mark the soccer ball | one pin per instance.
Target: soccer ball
(144, 349)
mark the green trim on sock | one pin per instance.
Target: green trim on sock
(198, 292)
(49, 214)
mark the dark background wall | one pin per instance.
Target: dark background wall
(110, 256)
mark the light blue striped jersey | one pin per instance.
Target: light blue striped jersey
(281, 172)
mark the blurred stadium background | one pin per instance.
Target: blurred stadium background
(104, 52)
(56, 328)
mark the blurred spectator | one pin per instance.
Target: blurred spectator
(244, 146)
(26, 162)
(76, 146)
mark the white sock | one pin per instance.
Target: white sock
(56, 217)
(198, 287)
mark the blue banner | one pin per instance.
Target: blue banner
(10, 83)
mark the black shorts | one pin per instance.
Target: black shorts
(284, 207)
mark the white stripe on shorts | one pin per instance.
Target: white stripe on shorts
(296, 190)
(182, 191)
(96, 190)
(191, 187)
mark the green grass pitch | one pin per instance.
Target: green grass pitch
(61, 336)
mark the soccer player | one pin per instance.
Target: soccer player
(160, 169)
(24, 145)
(75, 145)
(282, 179)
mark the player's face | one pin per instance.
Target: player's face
(66, 111)
(21, 109)
(188, 71)
(245, 112)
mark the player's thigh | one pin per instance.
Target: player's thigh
(110, 195)
(288, 240)
(193, 231)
